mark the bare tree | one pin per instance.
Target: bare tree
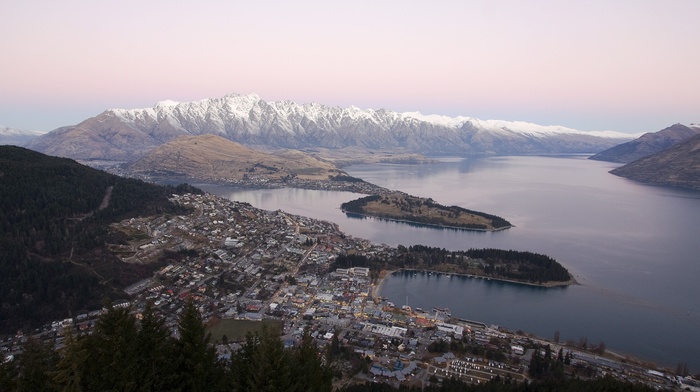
(583, 342)
(601, 347)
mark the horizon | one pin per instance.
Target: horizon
(627, 67)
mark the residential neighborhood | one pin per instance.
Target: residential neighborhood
(237, 262)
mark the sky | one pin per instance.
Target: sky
(624, 65)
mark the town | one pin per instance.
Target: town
(237, 263)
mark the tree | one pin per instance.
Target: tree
(69, 374)
(682, 369)
(334, 347)
(271, 367)
(601, 347)
(8, 375)
(308, 372)
(195, 361)
(556, 336)
(111, 359)
(155, 367)
(35, 364)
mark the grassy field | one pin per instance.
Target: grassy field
(236, 330)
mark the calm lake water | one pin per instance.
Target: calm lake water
(634, 248)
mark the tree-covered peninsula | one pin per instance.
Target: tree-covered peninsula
(508, 265)
(425, 211)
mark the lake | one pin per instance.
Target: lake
(634, 248)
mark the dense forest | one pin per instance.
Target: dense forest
(424, 211)
(54, 217)
(125, 353)
(497, 263)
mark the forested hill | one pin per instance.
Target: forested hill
(518, 266)
(54, 214)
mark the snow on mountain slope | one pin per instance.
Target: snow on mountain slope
(234, 106)
(17, 137)
(249, 120)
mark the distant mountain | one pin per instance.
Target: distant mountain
(678, 165)
(16, 137)
(648, 144)
(53, 232)
(126, 135)
(211, 157)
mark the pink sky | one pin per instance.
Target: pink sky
(627, 66)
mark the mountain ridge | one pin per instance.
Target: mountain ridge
(17, 137)
(678, 165)
(648, 144)
(128, 134)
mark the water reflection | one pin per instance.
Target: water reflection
(633, 247)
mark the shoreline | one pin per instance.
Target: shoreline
(383, 274)
(376, 288)
(429, 225)
(613, 355)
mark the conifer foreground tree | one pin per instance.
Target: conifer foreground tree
(126, 354)
(36, 362)
(154, 350)
(69, 372)
(312, 374)
(195, 359)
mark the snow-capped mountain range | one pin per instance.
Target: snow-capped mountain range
(16, 137)
(127, 134)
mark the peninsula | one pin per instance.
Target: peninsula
(400, 206)
(521, 267)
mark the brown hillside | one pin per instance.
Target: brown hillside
(676, 166)
(211, 157)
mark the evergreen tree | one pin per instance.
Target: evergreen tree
(36, 363)
(154, 349)
(112, 356)
(195, 359)
(309, 373)
(8, 375)
(69, 374)
(271, 364)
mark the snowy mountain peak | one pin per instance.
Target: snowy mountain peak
(454, 122)
(249, 120)
(166, 103)
(17, 137)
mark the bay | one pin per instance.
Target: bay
(634, 248)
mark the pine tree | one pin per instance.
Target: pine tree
(36, 363)
(154, 349)
(111, 360)
(309, 374)
(8, 375)
(195, 360)
(271, 365)
(69, 373)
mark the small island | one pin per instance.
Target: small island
(402, 207)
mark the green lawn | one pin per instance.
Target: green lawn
(236, 330)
